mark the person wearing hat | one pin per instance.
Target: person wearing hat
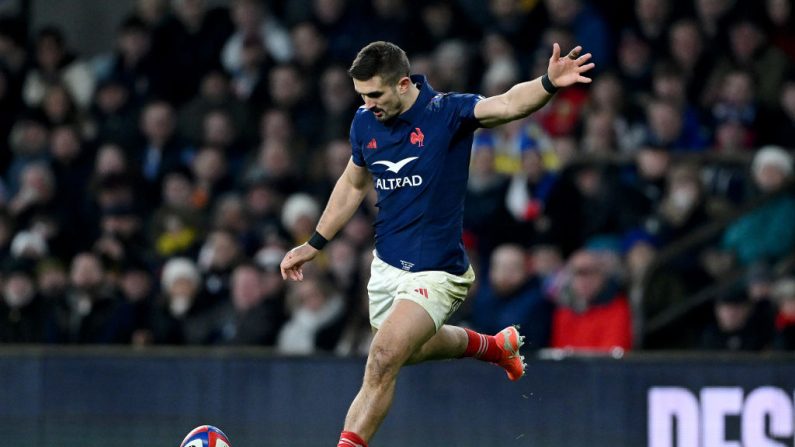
(735, 327)
(766, 233)
(23, 315)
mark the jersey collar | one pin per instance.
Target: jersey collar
(426, 93)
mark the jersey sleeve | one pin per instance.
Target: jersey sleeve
(356, 146)
(462, 110)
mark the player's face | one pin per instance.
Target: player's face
(381, 98)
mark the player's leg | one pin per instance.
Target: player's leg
(405, 330)
(452, 342)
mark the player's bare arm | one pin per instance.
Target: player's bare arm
(348, 193)
(527, 97)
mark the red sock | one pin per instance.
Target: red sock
(482, 347)
(351, 439)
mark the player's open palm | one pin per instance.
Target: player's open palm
(568, 70)
(295, 259)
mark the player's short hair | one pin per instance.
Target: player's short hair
(380, 58)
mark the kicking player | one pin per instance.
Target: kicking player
(413, 145)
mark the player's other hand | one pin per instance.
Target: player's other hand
(568, 70)
(294, 259)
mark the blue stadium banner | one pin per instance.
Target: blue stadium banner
(153, 397)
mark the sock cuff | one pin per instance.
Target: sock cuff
(351, 439)
(477, 344)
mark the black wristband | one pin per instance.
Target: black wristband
(548, 85)
(317, 241)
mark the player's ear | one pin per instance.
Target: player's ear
(403, 85)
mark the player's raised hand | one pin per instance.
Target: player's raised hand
(568, 70)
(294, 259)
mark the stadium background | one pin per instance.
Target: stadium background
(157, 158)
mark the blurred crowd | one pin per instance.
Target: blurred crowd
(148, 193)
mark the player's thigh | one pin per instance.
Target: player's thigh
(381, 290)
(407, 327)
(439, 293)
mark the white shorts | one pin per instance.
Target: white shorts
(439, 293)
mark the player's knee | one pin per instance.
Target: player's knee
(383, 364)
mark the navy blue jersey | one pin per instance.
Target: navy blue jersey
(419, 161)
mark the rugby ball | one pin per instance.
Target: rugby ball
(206, 436)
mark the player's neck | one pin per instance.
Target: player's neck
(410, 97)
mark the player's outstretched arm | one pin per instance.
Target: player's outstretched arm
(527, 97)
(347, 195)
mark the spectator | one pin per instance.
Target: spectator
(252, 20)
(635, 62)
(528, 192)
(317, 317)
(512, 295)
(607, 95)
(219, 131)
(389, 20)
(71, 166)
(151, 12)
(179, 306)
(230, 214)
(343, 271)
(586, 23)
(122, 237)
(689, 54)
(215, 94)
(287, 90)
(485, 215)
(36, 194)
(734, 328)
(218, 257)
(668, 83)
(339, 103)
(131, 64)
(780, 22)
(666, 128)
(749, 51)
(256, 311)
(651, 21)
(592, 312)
(784, 294)
(765, 234)
(451, 67)
(712, 16)
(781, 127)
(586, 201)
(339, 22)
(110, 159)
(114, 114)
(28, 141)
(211, 177)
(23, 314)
(162, 149)
(683, 207)
(137, 287)
(299, 216)
(263, 203)
(311, 49)
(13, 37)
(92, 310)
(53, 64)
(439, 21)
(334, 159)
(186, 46)
(736, 103)
(249, 81)
(10, 108)
(52, 280)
